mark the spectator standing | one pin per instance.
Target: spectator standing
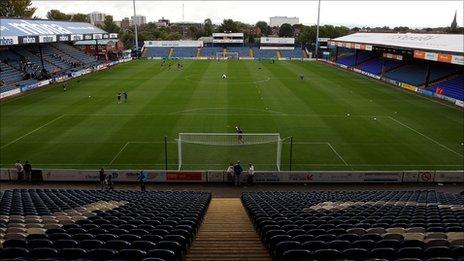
(142, 179)
(28, 171)
(251, 173)
(237, 172)
(102, 177)
(19, 170)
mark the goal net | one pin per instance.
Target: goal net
(227, 56)
(217, 150)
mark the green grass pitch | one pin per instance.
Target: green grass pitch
(338, 120)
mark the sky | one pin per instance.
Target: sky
(414, 14)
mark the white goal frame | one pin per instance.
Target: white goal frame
(270, 138)
(227, 55)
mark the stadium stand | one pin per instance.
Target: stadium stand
(452, 87)
(389, 225)
(210, 51)
(25, 52)
(95, 225)
(415, 72)
(72, 52)
(375, 65)
(263, 53)
(242, 51)
(184, 52)
(158, 51)
(295, 53)
(350, 59)
(9, 74)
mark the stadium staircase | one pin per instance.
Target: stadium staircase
(227, 234)
(305, 54)
(144, 52)
(171, 52)
(198, 55)
(224, 52)
(252, 53)
(278, 54)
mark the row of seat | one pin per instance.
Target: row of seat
(377, 224)
(71, 224)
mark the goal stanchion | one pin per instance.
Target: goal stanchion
(207, 150)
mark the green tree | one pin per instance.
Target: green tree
(16, 8)
(55, 14)
(109, 25)
(79, 17)
(208, 27)
(264, 27)
(228, 25)
(286, 30)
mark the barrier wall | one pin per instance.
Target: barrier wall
(217, 176)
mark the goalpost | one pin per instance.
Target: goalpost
(217, 150)
(227, 56)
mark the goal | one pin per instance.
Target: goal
(212, 151)
(227, 56)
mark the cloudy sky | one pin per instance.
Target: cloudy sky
(416, 14)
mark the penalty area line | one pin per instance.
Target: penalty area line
(339, 156)
(425, 136)
(32, 131)
(117, 154)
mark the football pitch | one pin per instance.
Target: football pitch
(338, 120)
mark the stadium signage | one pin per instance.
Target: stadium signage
(260, 177)
(277, 47)
(23, 31)
(28, 39)
(47, 38)
(8, 40)
(88, 36)
(9, 93)
(173, 44)
(365, 47)
(393, 56)
(63, 38)
(277, 40)
(439, 57)
(189, 176)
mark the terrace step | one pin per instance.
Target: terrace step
(227, 234)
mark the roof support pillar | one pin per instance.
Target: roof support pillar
(41, 57)
(427, 74)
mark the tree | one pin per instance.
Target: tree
(109, 25)
(286, 30)
(228, 25)
(264, 27)
(58, 15)
(16, 8)
(208, 27)
(79, 17)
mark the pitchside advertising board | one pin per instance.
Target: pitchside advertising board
(23, 31)
(259, 176)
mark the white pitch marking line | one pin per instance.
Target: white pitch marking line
(339, 156)
(425, 136)
(29, 133)
(120, 151)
